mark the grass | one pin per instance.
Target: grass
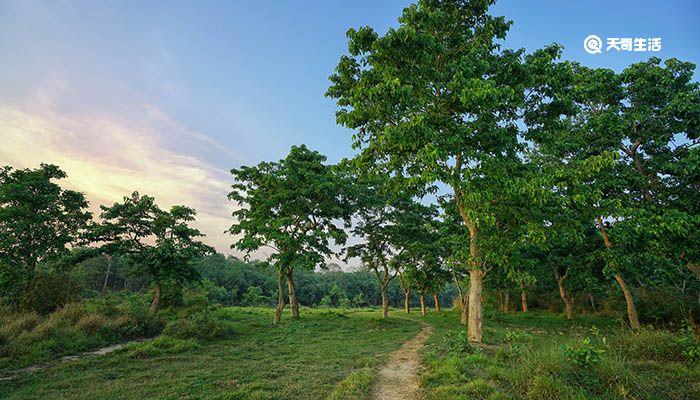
(543, 356)
(325, 353)
(29, 338)
(235, 353)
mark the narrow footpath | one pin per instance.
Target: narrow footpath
(398, 379)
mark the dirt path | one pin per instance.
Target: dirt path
(99, 352)
(398, 379)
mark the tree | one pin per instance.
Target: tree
(394, 227)
(293, 207)
(158, 243)
(436, 99)
(39, 222)
(621, 143)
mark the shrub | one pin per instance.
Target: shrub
(457, 343)
(254, 297)
(92, 323)
(203, 325)
(584, 354)
(49, 291)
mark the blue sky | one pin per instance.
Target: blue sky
(165, 97)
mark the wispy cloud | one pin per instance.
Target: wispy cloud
(108, 158)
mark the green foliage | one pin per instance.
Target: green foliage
(38, 222)
(254, 297)
(584, 354)
(202, 325)
(292, 206)
(557, 361)
(456, 342)
(158, 243)
(28, 338)
(49, 291)
(659, 345)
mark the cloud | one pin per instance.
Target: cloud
(108, 158)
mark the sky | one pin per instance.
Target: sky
(166, 97)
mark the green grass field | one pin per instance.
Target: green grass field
(540, 355)
(303, 359)
(334, 354)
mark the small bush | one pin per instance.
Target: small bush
(584, 354)
(50, 291)
(457, 343)
(92, 323)
(203, 325)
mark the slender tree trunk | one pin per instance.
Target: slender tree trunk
(463, 304)
(280, 298)
(385, 301)
(406, 300)
(523, 296)
(464, 315)
(506, 302)
(629, 299)
(109, 270)
(156, 298)
(292, 295)
(476, 317)
(422, 304)
(476, 312)
(500, 300)
(436, 299)
(568, 306)
(590, 297)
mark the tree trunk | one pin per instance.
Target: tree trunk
(385, 302)
(629, 299)
(463, 305)
(292, 295)
(506, 302)
(109, 270)
(568, 306)
(436, 299)
(464, 315)
(406, 301)
(523, 296)
(500, 300)
(631, 309)
(422, 304)
(280, 298)
(476, 317)
(156, 298)
(590, 297)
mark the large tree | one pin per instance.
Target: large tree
(295, 207)
(39, 222)
(623, 144)
(437, 99)
(157, 243)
